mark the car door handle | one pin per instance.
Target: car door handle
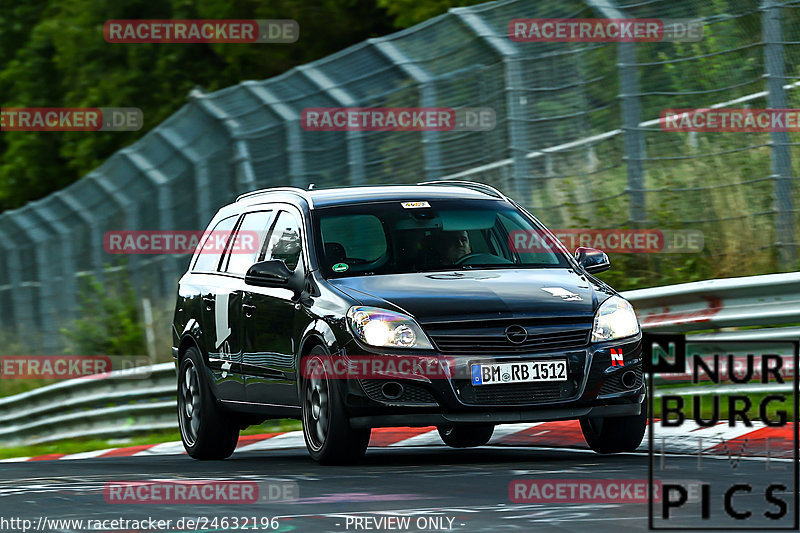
(209, 300)
(248, 310)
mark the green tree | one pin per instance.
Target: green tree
(410, 12)
(53, 54)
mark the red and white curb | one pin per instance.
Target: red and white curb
(756, 441)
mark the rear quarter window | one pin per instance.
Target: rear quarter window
(213, 246)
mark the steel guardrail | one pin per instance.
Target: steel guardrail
(772, 299)
(116, 406)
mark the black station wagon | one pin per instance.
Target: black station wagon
(399, 306)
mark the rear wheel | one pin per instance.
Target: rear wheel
(466, 436)
(207, 431)
(615, 434)
(326, 427)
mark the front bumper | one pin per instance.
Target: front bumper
(595, 387)
(498, 417)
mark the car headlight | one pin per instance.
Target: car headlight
(614, 320)
(384, 328)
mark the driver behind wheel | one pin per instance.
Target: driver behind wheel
(454, 246)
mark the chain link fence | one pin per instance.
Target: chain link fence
(576, 139)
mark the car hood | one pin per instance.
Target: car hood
(475, 294)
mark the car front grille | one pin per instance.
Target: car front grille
(490, 338)
(519, 393)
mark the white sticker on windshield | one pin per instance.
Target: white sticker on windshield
(414, 205)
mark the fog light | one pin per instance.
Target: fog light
(392, 390)
(629, 379)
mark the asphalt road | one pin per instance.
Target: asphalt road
(438, 488)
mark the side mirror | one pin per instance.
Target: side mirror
(273, 273)
(592, 260)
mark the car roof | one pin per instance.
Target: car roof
(321, 198)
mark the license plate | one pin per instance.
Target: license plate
(519, 372)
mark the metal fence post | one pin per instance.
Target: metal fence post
(781, 158)
(202, 179)
(169, 266)
(62, 276)
(355, 139)
(427, 96)
(74, 205)
(515, 98)
(294, 142)
(631, 116)
(245, 177)
(633, 136)
(131, 221)
(22, 307)
(7, 320)
(47, 314)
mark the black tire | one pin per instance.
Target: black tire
(207, 431)
(615, 434)
(326, 427)
(466, 436)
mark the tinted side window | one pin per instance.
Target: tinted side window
(285, 242)
(247, 243)
(214, 245)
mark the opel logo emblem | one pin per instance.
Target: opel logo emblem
(516, 334)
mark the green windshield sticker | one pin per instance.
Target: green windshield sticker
(340, 267)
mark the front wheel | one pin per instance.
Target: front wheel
(466, 436)
(326, 427)
(207, 432)
(615, 434)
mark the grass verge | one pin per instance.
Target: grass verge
(85, 445)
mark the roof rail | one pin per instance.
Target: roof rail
(482, 187)
(292, 190)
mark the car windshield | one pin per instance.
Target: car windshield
(422, 236)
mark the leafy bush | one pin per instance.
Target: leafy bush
(109, 322)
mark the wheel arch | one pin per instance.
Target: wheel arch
(192, 335)
(317, 333)
(188, 342)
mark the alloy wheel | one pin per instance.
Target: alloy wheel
(316, 408)
(190, 403)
